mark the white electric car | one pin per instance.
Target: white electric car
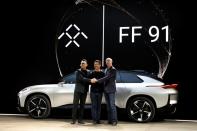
(140, 93)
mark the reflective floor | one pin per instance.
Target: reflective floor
(24, 123)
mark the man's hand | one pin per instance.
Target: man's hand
(94, 80)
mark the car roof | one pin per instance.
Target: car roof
(146, 73)
(134, 72)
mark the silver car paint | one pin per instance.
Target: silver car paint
(63, 94)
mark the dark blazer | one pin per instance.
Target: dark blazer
(109, 80)
(82, 81)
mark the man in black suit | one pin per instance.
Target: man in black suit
(80, 93)
(109, 91)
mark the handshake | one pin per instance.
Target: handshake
(94, 80)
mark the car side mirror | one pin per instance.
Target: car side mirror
(61, 84)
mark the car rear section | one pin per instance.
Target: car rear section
(144, 96)
(170, 107)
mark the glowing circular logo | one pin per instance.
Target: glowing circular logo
(136, 34)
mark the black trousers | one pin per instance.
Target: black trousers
(78, 98)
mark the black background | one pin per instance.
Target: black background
(28, 31)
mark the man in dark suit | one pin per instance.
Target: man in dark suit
(80, 93)
(109, 91)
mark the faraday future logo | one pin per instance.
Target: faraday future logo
(73, 39)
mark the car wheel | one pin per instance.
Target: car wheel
(141, 109)
(38, 106)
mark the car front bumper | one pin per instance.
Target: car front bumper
(19, 108)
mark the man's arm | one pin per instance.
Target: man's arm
(81, 78)
(111, 74)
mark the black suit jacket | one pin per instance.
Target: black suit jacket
(82, 81)
(109, 80)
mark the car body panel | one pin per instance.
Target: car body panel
(63, 94)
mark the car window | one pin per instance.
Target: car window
(128, 77)
(71, 78)
(118, 77)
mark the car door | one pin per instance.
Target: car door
(120, 89)
(127, 84)
(64, 92)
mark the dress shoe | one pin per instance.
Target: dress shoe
(98, 122)
(109, 122)
(81, 122)
(114, 123)
(73, 122)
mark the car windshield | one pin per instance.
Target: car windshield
(70, 78)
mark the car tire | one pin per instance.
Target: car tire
(38, 106)
(141, 109)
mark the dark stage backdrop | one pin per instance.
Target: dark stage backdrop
(28, 31)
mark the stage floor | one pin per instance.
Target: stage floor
(17, 122)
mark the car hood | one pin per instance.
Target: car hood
(43, 86)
